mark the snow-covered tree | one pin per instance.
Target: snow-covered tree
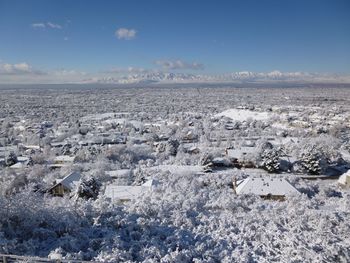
(172, 146)
(270, 160)
(11, 159)
(88, 188)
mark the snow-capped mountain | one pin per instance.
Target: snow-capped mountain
(242, 76)
(149, 78)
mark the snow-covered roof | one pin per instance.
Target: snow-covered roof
(104, 116)
(64, 158)
(116, 121)
(22, 159)
(344, 179)
(7, 149)
(151, 183)
(58, 165)
(345, 154)
(58, 144)
(243, 115)
(264, 186)
(136, 124)
(121, 192)
(34, 147)
(69, 180)
(119, 173)
(219, 160)
(18, 165)
(177, 169)
(239, 153)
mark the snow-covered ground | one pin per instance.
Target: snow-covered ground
(118, 138)
(243, 115)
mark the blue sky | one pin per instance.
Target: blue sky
(205, 37)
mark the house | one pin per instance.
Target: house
(18, 166)
(344, 180)
(30, 147)
(190, 136)
(242, 156)
(240, 153)
(5, 150)
(59, 144)
(121, 176)
(121, 193)
(249, 143)
(61, 161)
(265, 187)
(191, 149)
(103, 139)
(64, 159)
(22, 162)
(65, 185)
(118, 174)
(220, 162)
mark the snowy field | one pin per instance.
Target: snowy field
(243, 115)
(181, 152)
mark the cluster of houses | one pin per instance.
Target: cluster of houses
(98, 131)
(267, 187)
(114, 192)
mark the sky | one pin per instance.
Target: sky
(54, 39)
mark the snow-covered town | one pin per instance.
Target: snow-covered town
(176, 131)
(115, 174)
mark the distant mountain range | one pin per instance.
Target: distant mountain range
(243, 76)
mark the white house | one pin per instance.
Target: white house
(265, 187)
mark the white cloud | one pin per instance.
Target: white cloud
(25, 73)
(178, 64)
(124, 33)
(38, 25)
(127, 70)
(46, 25)
(68, 72)
(55, 26)
(18, 69)
(24, 67)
